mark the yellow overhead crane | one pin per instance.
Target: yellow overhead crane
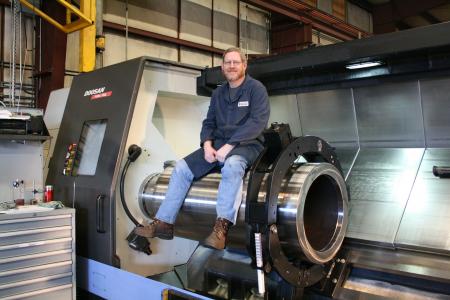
(85, 23)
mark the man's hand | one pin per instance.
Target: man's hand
(222, 153)
(210, 152)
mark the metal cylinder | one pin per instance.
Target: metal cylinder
(312, 213)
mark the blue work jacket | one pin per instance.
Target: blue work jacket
(239, 122)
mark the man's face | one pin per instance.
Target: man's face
(232, 67)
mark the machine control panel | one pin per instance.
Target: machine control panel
(88, 152)
(69, 159)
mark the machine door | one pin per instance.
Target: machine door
(86, 160)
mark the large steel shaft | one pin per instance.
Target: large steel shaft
(312, 209)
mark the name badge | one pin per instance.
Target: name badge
(242, 103)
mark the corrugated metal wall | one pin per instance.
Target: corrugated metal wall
(359, 17)
(206, 22)
(343, 10)
(215, 23)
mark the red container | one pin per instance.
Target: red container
(19, 202)
(48, 194)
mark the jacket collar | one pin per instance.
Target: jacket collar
(241, 90)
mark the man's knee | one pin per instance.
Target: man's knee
(235, 164)
(183, 169)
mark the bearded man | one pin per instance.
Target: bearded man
(231, 138)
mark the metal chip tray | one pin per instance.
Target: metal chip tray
(426, 221)
(396, 201)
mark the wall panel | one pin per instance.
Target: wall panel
(208, 22)
(115, 49)
(196, 22)
(217, 60)
(229, 7)
(197, 58)
(254, 29)
(329, 115)
(325, 5)
(390, 115)
(436, 111)
(359, 17)
(225, 30)
(158, 16)
(339, 9)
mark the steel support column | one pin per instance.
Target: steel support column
(87, 38)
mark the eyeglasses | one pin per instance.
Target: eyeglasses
(232, 62)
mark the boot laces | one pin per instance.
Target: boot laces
(154, 223)
(221, 226)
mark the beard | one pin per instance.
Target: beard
(234, 75)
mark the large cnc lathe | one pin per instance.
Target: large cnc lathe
(387, 125)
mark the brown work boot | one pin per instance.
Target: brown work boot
(157, 228)
(218, 237)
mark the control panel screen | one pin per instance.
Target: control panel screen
(89, 147)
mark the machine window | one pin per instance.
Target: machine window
(89, 146)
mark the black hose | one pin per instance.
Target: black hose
(122, 194)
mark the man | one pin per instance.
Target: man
(231, 138)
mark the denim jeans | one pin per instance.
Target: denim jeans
(229, 195)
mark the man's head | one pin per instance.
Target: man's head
(234, 64)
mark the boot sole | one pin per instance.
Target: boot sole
(211, 246)
(149, 236)
(165, 236)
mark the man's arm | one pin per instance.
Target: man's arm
(257, 121)
(209, 124)
(207, 132)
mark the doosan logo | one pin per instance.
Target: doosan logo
(98, 94)
(94, 91)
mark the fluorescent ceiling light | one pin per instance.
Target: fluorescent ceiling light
(363, 65)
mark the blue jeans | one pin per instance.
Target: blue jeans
(229, 195)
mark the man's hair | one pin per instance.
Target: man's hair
(235, 49)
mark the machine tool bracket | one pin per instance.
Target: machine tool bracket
(313, 149)
(299, 277)
(281, 151)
